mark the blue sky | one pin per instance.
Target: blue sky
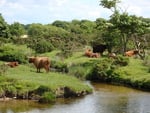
(47, 11)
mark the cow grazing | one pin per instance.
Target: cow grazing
(12, 64)
(99, 48)
(40, 62)
(131, 53)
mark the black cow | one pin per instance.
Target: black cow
(99, 48)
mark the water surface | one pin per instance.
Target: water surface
(105, 99)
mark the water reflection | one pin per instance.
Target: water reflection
(105, 99)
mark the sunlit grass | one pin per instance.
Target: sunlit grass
(28, 74)
(135, 71)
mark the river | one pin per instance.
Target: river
(105, 99)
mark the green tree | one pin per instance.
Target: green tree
(4, 29)
(17, 29)
(36, 30)
(126, 25)
(110, 4)
(62, 24)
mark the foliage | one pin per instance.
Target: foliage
(59, 66)
(121, 61)
(110, 4)
(16, 29)
(127, 25)
(102, 71)
(62, 24)
(10, 52)
(40, 45)
(4, 30)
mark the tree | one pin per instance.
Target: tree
(127, 25)
(17, 29)
(36, 30)
(4, 30)
(110, 4)
(62, 24)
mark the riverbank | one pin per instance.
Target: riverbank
(67, 76)
(135, 75)
(23, 82)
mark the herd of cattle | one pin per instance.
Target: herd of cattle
(44, 62)
(90, 54)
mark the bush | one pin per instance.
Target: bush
(10, 52)
(43, 46)
(102, 71)
(121, 61)
(59, 66)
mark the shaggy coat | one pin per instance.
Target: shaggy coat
(131, 53)
(12, 64)
(40, 62)
(88, 53)
(99, 48)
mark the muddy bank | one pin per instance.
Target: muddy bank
(61, 92)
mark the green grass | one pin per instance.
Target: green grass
(28, 74)
(135, 70)
(80, 65)
(135, 74)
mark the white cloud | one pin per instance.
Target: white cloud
(46, 11)
(2, 2)
(137, 7)
(135, 10)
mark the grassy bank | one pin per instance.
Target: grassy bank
(23, 82)
(51, 79)
(130, 71)
(135, 75)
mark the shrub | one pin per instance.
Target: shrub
(102, 71)
(43, 46)
(121, 61)
(10, 52)
(59, 66)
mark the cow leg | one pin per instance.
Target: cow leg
(38, 70)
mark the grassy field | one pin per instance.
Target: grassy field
(53, 80)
